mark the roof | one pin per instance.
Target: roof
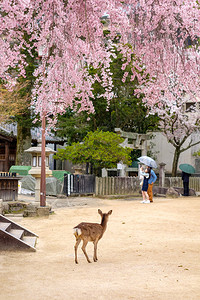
(38, 149)
(7, 138)
(10, 131)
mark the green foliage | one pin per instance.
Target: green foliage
(73, 125)
(197, 153)
(125, 110)
(101, 149)
(26, 116)
(135, 154)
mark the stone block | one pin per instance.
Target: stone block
(192, 192)
(30, 213)
(43, 211)
(172, 193)
(15, 206)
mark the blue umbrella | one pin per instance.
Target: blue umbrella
(148, 161)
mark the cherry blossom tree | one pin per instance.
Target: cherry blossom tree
(178, 121)
(68, 35)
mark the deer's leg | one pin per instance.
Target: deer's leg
(84, 251)
(95, 251)
(75, 248)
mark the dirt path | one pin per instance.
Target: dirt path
(149, 251)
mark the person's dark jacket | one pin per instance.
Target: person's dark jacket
(185, 177)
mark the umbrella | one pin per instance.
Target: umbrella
(148, 161)
(187, 168)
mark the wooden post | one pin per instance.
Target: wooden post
(6, 157)
(43, 166)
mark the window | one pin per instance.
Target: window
(34, 161)
(39, 161)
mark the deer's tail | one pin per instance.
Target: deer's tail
(77, 232)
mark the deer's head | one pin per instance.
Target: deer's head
(104, 216)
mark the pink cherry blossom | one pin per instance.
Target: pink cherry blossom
(68, 36)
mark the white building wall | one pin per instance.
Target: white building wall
(164, 151)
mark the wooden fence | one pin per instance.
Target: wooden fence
(117, 186)
(194, 182)
(131, 185)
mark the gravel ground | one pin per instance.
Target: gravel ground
(149, 251)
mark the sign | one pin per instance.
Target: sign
(119, 166)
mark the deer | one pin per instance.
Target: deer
(90, 232)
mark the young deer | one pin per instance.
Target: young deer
(90, 232)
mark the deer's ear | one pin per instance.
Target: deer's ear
(110, 212)
(100, 212)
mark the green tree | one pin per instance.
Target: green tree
(74, 126)
(127, 110)
(99, 149)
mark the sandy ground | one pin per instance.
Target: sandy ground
(149, 251)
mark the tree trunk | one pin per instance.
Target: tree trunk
(175, 161)
(23, 143)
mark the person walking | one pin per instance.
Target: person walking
(185, 178)
(145, 184)
(151, 181)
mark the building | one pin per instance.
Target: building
(8, 144)
(164, 152)
(7, 151)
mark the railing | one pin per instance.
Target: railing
(11, 157)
